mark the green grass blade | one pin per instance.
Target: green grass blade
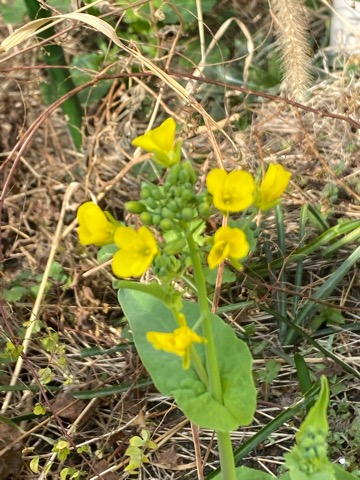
(319, 217)
(61, 80)
(301, 332)
(323, 292)
(300, 264)
(300, 253)
(349, 238)
(303, 375)
(112, 390)
(281, 295)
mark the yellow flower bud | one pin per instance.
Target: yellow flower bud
(94, 226)
(161, 142)
(272, 187)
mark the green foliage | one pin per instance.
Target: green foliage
(245, 473)
(45, 375)
(62, 449)
(327, 315)
(146, 313)
(27, 285)
(270, 372)
(39, 410)
(138, 445)
(70, 473)
(140, 18)
(13, 11)
(106, 252)
(11, 353)
(88, 65)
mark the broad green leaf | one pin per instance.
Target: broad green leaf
(14, 294)
(106, 252)
(245, 473)
(13, 12)
(340, 474)
(147, 313)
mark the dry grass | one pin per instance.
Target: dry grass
(319, 151)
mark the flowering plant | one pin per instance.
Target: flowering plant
(190, 352)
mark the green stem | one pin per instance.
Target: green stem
(224, 441)
(210, 351)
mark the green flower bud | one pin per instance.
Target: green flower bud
(146, 190)
(175, 246)
(167, 213)
(172, 206)
(172, 176)
(187, 196)
(191, 172)
(135, 207)
(187, 214)
(184, 176)
(204, 210)
(156, 219)
(166, 224)
(158, 193)
(146, 218)
(152, 203)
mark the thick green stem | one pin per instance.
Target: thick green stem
(227, 463)
(224, 441)
(210, 351)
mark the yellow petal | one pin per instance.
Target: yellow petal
(217, 254)
(230, 243)
(137, 251)
(232, 192)
(272, 187)
(160, 139)
(215, 180)
(94, 227)
(236, 240)
(148, 240)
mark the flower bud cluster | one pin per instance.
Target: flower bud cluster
(166, 266)
(165, 206)
(312, 449)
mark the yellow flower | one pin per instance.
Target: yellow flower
(232, 192)
(177, 342)
(94, 226)
(161, 142)
(230, 243)
(272, 187)
(137, 251)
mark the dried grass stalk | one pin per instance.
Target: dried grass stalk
(292, 32)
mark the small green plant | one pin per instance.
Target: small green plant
(26, 285)
(136, 451)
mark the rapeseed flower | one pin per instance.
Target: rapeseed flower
(230, 243)
(161, 142)
(137, 251)
(177, 342)
(232, 192)
(94, 225)
(273, 185)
